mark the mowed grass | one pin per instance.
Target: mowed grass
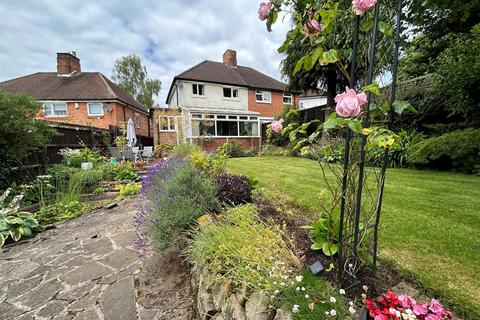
(430, 226)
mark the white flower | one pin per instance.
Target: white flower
(332, 299)
(307, 296)
(364, 296)
(350, 303)
(274, 282)
(282, 283)
(327, 313)
(341, 291)
(352, 310)
(299, 278)
(350, 266)
(276, 292)
(365, 288)
(303, 288)
(295, 308)
(285, 277)
(298, 289)
(333, 312)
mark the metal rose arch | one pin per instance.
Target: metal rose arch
(357, 128)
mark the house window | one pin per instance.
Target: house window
(230, 93)
(221, 125)
(198, 89)
(167, 124)
(137, 120)
(287, 98)
(52, 109)
(95, 109)
(263, 96)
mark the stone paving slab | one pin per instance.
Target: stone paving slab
(85, 269)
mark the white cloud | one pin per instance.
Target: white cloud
(169, 36)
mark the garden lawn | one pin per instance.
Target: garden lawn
(430, 226)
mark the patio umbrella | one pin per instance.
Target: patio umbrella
(131, 137)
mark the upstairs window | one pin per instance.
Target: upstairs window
(95, 109)
(263, 96)
(287, 98)
(198, 89)
(230, 93)
(137, 120)
(52, 109)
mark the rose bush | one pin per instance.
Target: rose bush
(349, 103)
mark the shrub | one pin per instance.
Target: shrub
(125, 172)
(208, 163)
(86, 180)
(61, 171)
(183, 196)
(75, 157)
(458, 150)
(60, 211)
(233, 189)
(185, 149)
(272, 150)
(230, 149)
(18, 225)
(242, 249)
(109, 170)
(126, 190)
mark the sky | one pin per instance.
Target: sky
(169, 35)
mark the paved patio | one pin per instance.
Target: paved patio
(87, 268)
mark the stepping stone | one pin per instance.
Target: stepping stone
(52, 308)
(90, 314)
(87, 272)
(118, 300)
(120, 259)
(40, 295)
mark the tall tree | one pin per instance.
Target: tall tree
(131, 75)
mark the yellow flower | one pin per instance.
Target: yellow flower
(203, 219)
(366, 131)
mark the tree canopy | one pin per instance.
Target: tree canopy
(131, 75)
(20, 133)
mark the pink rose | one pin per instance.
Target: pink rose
(277, 126)
(406, 301)
(349, 103)
(264, 10)
(313, 27)
(362, 6)
(420, 309)
(435, 306)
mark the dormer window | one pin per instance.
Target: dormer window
(263, 96)
(198, 89)
(230, 93)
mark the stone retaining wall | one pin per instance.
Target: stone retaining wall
(218, 299)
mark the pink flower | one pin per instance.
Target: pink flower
(435, 306)
(420, 309)
(432, 317)
(406, 301)
(362, 6)
(277, 126)
(264, 10)
(313, 27)
(349, 103)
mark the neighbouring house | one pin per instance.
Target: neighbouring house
(81, 98)
(313, 104)
(214, 102)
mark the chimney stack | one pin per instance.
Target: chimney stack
(230, 58)
(67, 63)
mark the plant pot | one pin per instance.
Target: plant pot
(86, 165)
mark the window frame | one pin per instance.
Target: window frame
(226, 118)
(198, 86)
(137, 120)
(170, 121)
(95, 114)
(262, 92)
(232, 96)
(52, 104)
(289, 96)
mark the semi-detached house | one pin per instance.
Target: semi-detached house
(214, 102)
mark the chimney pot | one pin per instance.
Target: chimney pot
(67, 63)
(230, 58)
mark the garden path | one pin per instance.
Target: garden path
(87, 268)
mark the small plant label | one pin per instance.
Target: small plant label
(316, 267)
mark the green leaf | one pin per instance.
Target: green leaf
(13, 220)
(316, 246)
(284, 46)
(2, 240)
(329, 249)
(399, 106)
(308, 63)
(298, 66)
(25, 231)
(316, 55)
(24, 214)
(4, 225)
(331, 56)
(372, 88)
(385, 28)
(15, 234)
(355, 125)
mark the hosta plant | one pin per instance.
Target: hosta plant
(18, 225)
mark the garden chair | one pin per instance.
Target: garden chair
(136, 153)
(148, 153)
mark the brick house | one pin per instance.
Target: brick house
(214, 102)
(83, 98)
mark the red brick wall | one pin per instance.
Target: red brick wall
(166, 137)
(269, 109)
(211, 144)
(80, 116)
